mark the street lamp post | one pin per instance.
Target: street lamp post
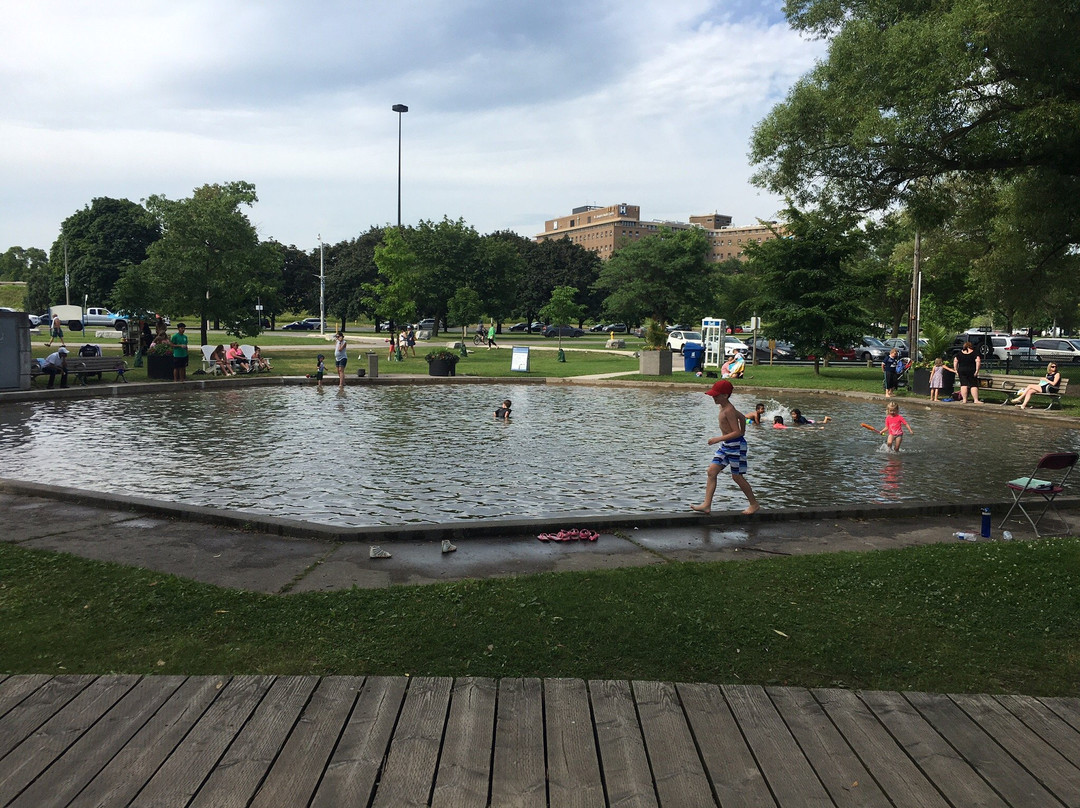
(399, 109)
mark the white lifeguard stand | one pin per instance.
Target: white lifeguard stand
(713, 331)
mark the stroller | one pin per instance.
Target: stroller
(902, 366)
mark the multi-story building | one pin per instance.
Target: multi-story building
(603, 230)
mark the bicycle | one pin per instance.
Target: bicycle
(480, 338)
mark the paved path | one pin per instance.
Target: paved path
(399, 741)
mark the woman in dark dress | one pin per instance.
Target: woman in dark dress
(966, 367)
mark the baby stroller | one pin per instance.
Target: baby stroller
(901, 372)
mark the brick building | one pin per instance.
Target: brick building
(604, 229)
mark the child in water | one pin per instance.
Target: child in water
(320, 369)
(778, 422)
(894, 426)
(503, 411)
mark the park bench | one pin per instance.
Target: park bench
(1011, 384)
(83, 366)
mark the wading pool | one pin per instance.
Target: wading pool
(383, 455)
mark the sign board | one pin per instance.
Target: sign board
(519, 360)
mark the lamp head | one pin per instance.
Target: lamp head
(400, 108)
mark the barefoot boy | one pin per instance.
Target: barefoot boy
(732, 449)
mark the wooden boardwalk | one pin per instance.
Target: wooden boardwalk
(398, 741)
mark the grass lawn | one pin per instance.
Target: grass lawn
(995, 617)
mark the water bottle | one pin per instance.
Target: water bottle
(986, 523)
(965, 536)
(1006, 535)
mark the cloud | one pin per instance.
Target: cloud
(516, 113)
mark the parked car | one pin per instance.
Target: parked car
(677, 339)
(846, 354)
(427, 324)
(736, 345)
(996, 345)
(563, 331)
(519, 327)
(35, 320)
(783, 351)
(618, 328)
(1057, 349)
(299, 325)
(871, 348)
(316, 323)
(679, 327)
(598, 328)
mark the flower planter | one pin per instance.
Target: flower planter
(441, 367)
(159, 367)
(920, 382)
(655, 363)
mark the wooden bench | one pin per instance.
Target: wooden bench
(1011, 384)
(83, 366)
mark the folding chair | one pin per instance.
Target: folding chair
(1047, 489)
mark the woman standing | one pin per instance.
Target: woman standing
(341, 359)
(966, 366)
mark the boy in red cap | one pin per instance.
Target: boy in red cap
(732, 449)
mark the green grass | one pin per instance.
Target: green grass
(992, 617)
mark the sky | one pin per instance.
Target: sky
(518, 111)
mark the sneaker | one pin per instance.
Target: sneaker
(447, 547)
(377, 552)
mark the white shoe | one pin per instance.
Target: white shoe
(447, 547)
(378, 552)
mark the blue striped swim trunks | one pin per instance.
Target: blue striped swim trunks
(732, 453)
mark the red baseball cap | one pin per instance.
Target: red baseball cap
(721, 388)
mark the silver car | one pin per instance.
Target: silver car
(871, 348)
(1057, 349)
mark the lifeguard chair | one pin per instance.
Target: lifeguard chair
(713, 331)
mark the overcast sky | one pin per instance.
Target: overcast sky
(518, 111)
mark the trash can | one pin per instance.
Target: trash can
(693, 354)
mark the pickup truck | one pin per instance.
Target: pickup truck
(103, 317)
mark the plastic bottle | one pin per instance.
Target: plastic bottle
(1005, 534)
(965, 536)
(986, 523)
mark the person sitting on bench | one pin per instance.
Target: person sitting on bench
(1046, 385)
(54, 363)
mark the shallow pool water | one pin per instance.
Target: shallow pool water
(431, 453)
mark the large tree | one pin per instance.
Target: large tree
(553, 263)
(350, 268)
(96, 244)
(209, 261)
(660, 276)
(807, 293)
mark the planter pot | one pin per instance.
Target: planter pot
(655, 363)
(441, 367)
(920, 382)
(159, 367)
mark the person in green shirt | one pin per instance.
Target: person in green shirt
(179, 353)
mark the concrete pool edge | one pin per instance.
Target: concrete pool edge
(428, 531)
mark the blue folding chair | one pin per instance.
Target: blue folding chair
(1048, 489)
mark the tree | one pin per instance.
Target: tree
(557, 262)
(101, 240)
(807, 294)
(658, 276)
(350, 269)
(392, 294)
(299, 279)
(209, 260)
(913, 92)
(16, 264)
(465, 307)
(562, 309)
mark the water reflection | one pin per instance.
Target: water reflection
(386, 455)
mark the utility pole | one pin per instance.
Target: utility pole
(322, 289)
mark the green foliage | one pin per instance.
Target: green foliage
(558, 262)
(209, 260)
(103, 240)
(17, 264)
(807, 292)
(350, 272)
(444, 354)
(658, 276)
(465, 307)
(655, 335)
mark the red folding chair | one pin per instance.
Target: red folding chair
(1048, 489)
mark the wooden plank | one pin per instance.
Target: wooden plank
(183, 772)
(136, 763)
(37, 752)
(297, 770)
(573, 769)
(789, 774)
(24, 718)
(1049, 726)
(409, 774)
(839, 769)
(623, 760)
(354, 767)
(465, 764)
(13, 689)
(242, 768)
(1033, 753)
(932, 755)
(1067, 709)
(676, 765)
(731, 768)
(1016, 786)
(517, 773)
(90, 753)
